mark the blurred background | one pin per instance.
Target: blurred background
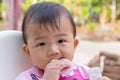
(96, 20)
(97, 23)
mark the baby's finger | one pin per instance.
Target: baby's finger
(60, 65)
(65, 64)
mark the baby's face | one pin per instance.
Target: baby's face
(45, 45)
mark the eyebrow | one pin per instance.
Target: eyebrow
(41, 37)
(61, 35)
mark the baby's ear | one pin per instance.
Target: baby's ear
(76, 41)
(25, 49)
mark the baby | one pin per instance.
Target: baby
(49, 40)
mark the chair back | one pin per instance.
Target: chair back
(12, 58)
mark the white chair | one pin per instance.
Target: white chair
(12, 59)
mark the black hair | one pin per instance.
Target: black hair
(45, 13)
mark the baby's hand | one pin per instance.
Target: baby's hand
(54, 68)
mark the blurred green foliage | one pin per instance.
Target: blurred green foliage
(26, 4)
(2, 8)
(83, 9)
(91, 26)
(84, 6)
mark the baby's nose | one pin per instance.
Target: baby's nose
(54, 50)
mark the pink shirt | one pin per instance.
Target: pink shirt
(80, 73)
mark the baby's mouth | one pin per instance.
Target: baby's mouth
(61, 58)
(58, 58)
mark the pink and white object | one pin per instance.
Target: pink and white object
(94, 73)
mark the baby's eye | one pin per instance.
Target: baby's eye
(61, 41)
(41, 44)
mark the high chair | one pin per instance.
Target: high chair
(12, 59)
